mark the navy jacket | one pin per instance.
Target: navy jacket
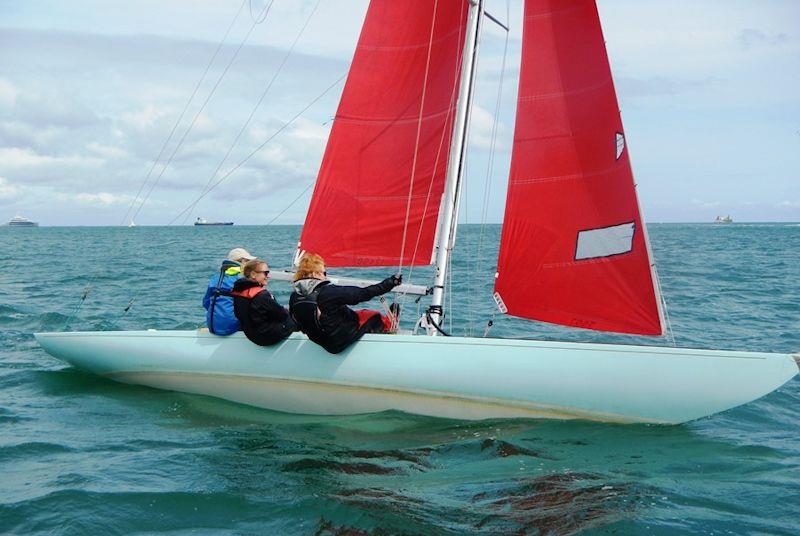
(264, 321)
(337, 324)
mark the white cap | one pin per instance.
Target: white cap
(236, 254)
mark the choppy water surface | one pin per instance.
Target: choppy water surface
(84, 455)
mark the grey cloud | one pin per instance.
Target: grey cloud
(54, 109)
(751, 37)
(250, 183)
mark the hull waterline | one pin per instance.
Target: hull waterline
(451, 377)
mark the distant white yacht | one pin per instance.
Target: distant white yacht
(19, 221)
(724, 219)
(132, 224)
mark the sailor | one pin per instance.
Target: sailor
(320, 308)
(264, 321)
(220, 318)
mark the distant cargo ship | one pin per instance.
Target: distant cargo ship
(723, 219)
(19, 221)
(203, 221)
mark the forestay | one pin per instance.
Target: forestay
(381, 180)
(574, 249)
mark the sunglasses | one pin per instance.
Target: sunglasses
(325, 273)
(265, 272)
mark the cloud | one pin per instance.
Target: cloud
(481, 124)
(706, 204)
(60, 130)
(16, 158)
(750, 37)
(288, 161)
(8, 190)
(106, 151)
(631, 87)
(103, 199)
(143, 118)
(21, 134)
(8, 93)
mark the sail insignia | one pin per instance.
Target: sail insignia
(620, 141)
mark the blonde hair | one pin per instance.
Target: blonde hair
(252, 266)
(309, 263)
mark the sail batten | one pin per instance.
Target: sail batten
(573, 249)
(382, 175)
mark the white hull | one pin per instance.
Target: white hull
(445, 377)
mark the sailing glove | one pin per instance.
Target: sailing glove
(396, 279)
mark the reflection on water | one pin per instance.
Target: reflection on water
(555, 504)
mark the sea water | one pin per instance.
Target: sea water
(84, 455)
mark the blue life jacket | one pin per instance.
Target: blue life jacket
(218, 302)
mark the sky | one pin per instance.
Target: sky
(90, 92)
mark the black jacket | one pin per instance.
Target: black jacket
(264, 321)
(337, 325)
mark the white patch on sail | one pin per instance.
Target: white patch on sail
(620, 144)
(500, 303)
(604, 242)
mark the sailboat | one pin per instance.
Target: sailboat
(574, 249)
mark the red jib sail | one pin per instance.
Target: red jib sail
(574, 249)
(390, 140)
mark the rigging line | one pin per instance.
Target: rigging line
(263, 144)
(183, 112)
(87, 289)
(296, 199)
(161, 152)
(456, 76)
(416, 141)
(490, 168)
(261, 99)
(199, 112)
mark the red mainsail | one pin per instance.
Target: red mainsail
(391, 138)
(574, 249)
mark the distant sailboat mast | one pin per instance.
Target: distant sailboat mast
(448, 218)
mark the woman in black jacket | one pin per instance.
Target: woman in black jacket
(320, 308)
(264, 321)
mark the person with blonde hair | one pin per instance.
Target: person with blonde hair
(264, 321)
(321, 310)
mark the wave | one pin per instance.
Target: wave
(90, 512)
(31, 449)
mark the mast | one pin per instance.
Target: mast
(448, 220)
